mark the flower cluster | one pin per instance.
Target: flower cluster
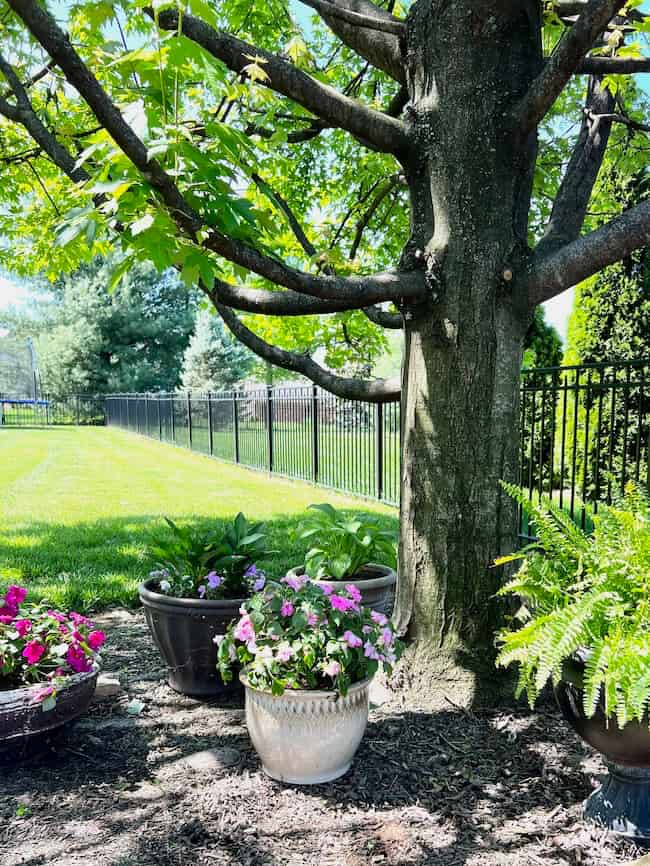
(42, 646)
(297, 634)
(211, 586)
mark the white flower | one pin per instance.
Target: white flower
(165, 585)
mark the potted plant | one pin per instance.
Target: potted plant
(351, 551)
(584, 625)
(48, 668)
(201, 579)
(308, 654)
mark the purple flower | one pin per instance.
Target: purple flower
(202, 591)
(327, 589)
(352, 640)
(353, 592)
(259, 584)
(370, 652)
(386, 637)
(214, 580)
(287, 608)
(252, 571)
(377, 617)
(295, 581)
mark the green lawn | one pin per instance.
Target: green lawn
(79, 505)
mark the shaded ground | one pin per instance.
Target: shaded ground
(449, 788)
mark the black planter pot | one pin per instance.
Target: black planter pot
(184, 630)
(622, 803)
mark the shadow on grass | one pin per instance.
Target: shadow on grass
(92, 565)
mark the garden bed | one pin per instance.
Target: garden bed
(179, 783)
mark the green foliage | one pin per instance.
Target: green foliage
(586, 595)
(343, 544)
(214, 360)
(218, 563)
(542, 344)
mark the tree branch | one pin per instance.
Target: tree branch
(563, 63)
(382, 50)
(385, 24)
(614, 65)
(266, 303)
(577, 7)
(385, 133)
(292, 219)
(570, 205)
(384, 189)
(374, 391)
(589, 254)
(384, 318)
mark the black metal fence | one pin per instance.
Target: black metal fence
(301, 432)
(73, 409)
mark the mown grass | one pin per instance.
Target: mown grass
(79, 507)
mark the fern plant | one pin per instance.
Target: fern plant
(587, 595)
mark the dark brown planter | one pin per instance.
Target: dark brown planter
(622, 803)
(376, 583)
(23, 721)
(184, 630)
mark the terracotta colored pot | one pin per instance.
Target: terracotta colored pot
(184, 630)
(376, 583)
(622, 803)
(306, 737)
(23, 721)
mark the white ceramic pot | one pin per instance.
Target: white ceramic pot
(306, 737)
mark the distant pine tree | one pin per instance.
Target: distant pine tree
(214, 361)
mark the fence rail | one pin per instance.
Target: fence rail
(48, 410)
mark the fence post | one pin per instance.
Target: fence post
(314, 433)
(235, 424)
(210, 422)
(173, 419)
(189, 419)
(159, 417)
(146, 414)
(379, 449)
(77, 407)
(269, 423)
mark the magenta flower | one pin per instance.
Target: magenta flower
(78, 619)
(352, 640)
(15, 596)
(77, 659)
(8, 617)
(63, 629)
(33, 651)
(338, 602)
(96, 640)
(333, 669)
(214, 580)
(377, 617)
(353, 592)
(23, 626)
(287, 608)
(59, 617)
(244, 630)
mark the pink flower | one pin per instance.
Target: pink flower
(312, 619)
(33, 651)
(338, 602)
(370, 652)
(367, 629)
(351, 639)
(78, 619)
(63, 629)
(22, 626)
(284, 652)
(244, 630)
(327, 589)
(96, 640)
(42, 693)
(333, 669)
(353, 592)
(59, 617)
(377, 617)
(77, 659)
(296, 582)
(9, 616)
(385, 637)
(287, 608)
(15, 596)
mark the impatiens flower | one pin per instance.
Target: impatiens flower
(385, 637)
(23, 626)
(33, 651)
(295, 581)
(77, 659)
(287, 608)
(367, 629)
(165, 585)
(327, 589)
(78, 619)
(353, 592)
(96, 639)
(369, 651)
(55, 614)
(15, 596)
(284, 652)
(63, 629)
(352, 639)
(333, 669)
(338, 602)
(312, 619)
(214, 580)
(244, 630)
(9, 616)
(258, 586)
(377, 617)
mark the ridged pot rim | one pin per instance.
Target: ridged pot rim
(388, 578)
(306, 694)
(147, 594)
(9, 696)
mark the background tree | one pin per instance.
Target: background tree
(542, 343)
(366, 166)
(214, 360)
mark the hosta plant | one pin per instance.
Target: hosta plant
(210, 564)
(42, 647)
(342, 545)
(584, 595)
(297, 634)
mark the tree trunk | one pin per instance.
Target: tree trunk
(470, 179)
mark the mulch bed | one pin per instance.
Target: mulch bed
(449, 788)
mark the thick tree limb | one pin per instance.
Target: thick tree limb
(564, 62)
(577, 7)
(385, 133)
(382, 50)
(572, 200)
(265, 303)
(373, 22)
(384, 318)
(374, 391)
(614, 65)
(615, 117)
(587, 255)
